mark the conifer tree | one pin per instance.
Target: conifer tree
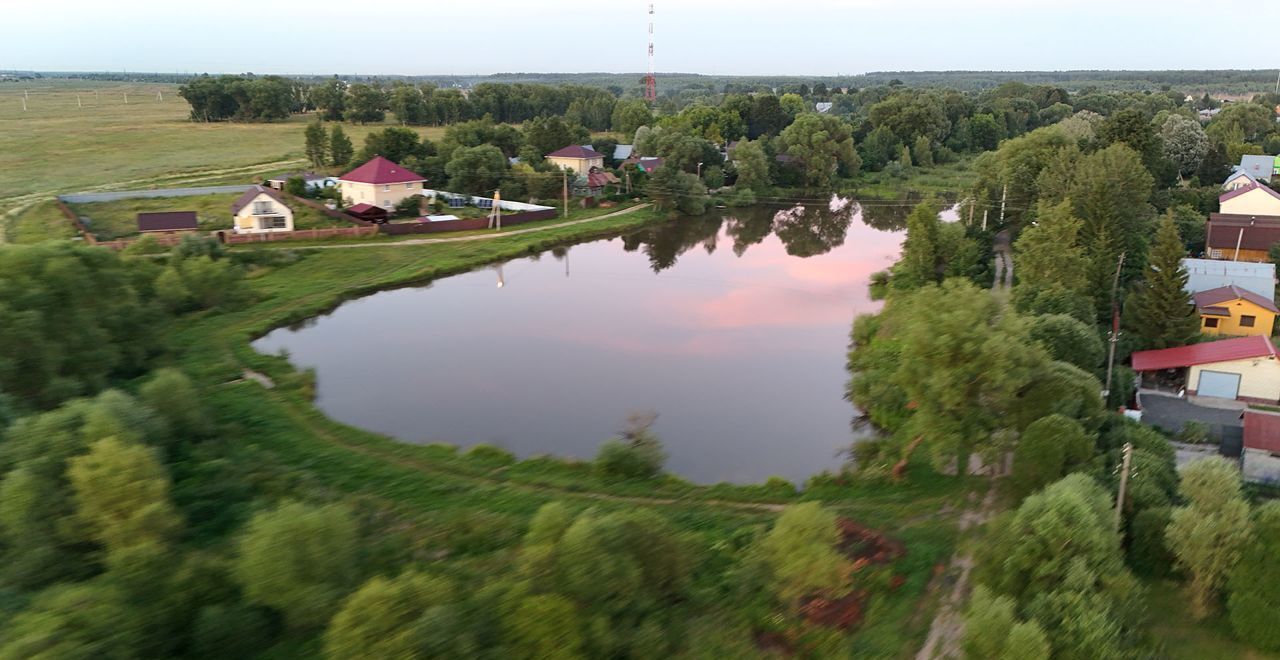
(1160, 311)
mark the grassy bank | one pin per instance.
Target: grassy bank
(117, 219)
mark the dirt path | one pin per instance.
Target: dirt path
(1004, 261)
(948, 624)
(475, 237)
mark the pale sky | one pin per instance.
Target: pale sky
(743, 37)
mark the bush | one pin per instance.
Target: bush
(1194, 432)
(1148, 554)
(490, 455)
(147, 244)
(1067, 339)
(636, 459)
(409, 207)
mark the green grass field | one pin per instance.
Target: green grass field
(1182, 638)
(118, 219)
(61, 145)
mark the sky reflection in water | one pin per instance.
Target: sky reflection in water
(733, 328)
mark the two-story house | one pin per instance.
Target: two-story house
(261, 209)
(379, 182)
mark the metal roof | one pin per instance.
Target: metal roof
(1226, 350)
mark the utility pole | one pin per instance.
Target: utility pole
(1003, 196)
(160, 96)
(1278, 82)
(24, 103)
(126, 98)
(984, 219)
(78, 103)
(627, 173)
(1124, 484)
(1115, 329)
(495, 214)
(566, 194)
(971, 205)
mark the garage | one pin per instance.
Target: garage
(1218, 383)
(1244, 369)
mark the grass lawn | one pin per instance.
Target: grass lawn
(41, 221)
(116, 219)
(954, 178)
(57, 146)
(1179, 636)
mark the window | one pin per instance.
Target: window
(1247, 321)
(1215, 254)
(261, 208)
(408, 186)
(386, 187)
(1211, 323)
(386, 203)
(275, 222)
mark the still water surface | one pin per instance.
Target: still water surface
(732, 327)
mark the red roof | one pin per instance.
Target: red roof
(600, 178)
(648, 164)
(1244, 189)
(1222, 294)
(1261, 430)
(1225, 350)
(380, 170)
(575, 151)
(1260, 231)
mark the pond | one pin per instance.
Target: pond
(732, 327)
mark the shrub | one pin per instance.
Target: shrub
(637, 459)
(490, 455)
(1194, 432)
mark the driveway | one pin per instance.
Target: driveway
(1170, 413)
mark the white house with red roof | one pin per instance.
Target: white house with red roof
(379, 182)
(1251, 199)
(261, 209)
(1245, 368)
(580, 159)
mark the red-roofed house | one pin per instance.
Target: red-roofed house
(1232, 311)
(580, 159)
(1260, 460)
(1244, 368)
(1237, 237)
(379, 182)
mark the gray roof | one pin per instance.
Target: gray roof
(1237, 172)
(1208, 274)
(1259, 167)
(622, 151)
(822, 106)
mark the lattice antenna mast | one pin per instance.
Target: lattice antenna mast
(650, 83)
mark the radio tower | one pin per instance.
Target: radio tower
(650, 83)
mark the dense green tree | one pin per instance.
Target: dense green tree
(175, 399)
(1253, 604)
(880, 148)
(1241, 122)
(330, 97)
(408, 104)
(548, 134)
(340, 148)
(396, 143)
(317, 146)
(923, 152)
(299, 560)
(122, 495)
(73, 621)
(800, 552)
(921, 261)
(671, 189)
(1160, 311)
(476, 170)
(823, 144)
(546, 627)
(629, 115)
(1185, 143)
(386, 618)
(1133, 127)
(965, 362)
(366, 104)
(1068, 339)
(992, 631)
(1047, 449)
(1110, 191)
(984, 132)
(636, 454)
(1208, 534)
(767, 116)
(752, 164)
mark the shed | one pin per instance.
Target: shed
(368, 212)
(1260, 459)
(168, 221)
(1205, 274)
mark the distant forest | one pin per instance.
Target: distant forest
(1217, 82)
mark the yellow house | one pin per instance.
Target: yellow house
(261, 210)
(379, 182)
(579, 159)
(1235, 312)
(1252, 199)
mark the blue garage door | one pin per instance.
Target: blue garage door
(1219, 384)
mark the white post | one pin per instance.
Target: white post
(126, 98)
(24, 103)
(1239, 239)
(160, 96)
(1003, 196)
(1124, 484)
(78, 103)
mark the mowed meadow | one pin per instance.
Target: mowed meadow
(101, 143)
